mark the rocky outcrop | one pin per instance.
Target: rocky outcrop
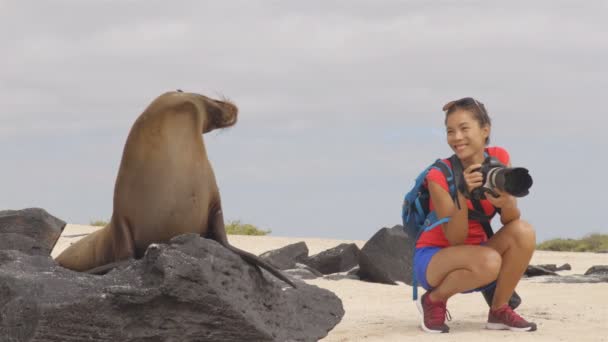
(387, 256)
(601, 270)
(192, 289)
(285, 258)
(302, 271)
(535, 271)
(554, 268)
(32, 231)
(334, 260)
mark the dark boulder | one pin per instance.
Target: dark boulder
(193, 289)
(387, 256)
(32, 231)
(341, 276)
(353, 274)
(353, 271)
(338, 259)
(554, 268)
(285, 258)
(575, 279)
(302, 271)
(535, 271)
(597, 270)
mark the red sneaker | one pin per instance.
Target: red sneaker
(504, 318)
(433, 315)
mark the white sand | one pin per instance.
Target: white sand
(375, 312)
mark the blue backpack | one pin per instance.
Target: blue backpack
(417, 218)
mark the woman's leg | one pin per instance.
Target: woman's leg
(515, 242)
(460, 268)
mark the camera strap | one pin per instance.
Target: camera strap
(478, 214)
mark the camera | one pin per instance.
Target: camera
(513, 180)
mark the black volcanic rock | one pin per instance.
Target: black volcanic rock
(302, 271)
(192, 289)
(338, 259)
(387, 257)
(32, 231)
(285, 258)
(576, 279)
(535, 271)
(598, 270)
(554, 268)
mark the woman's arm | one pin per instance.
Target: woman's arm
(507, 215)
(457, 228)
(508, 205)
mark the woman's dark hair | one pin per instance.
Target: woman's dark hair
(469, 104)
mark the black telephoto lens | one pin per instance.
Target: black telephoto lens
(517, 181)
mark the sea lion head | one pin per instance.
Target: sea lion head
(218, 113)
(210, 113)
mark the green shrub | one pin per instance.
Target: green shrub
(98, 223)
(590, 243)
(238, 228)
(233, 227)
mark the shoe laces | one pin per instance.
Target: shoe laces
(438, 313)
(510, 316)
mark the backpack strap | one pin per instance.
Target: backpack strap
(451, 176)
(431, 220)
(432, 216)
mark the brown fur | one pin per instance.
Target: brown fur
(165, 185)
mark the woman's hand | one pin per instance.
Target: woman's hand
(473, 179)
(503, 201)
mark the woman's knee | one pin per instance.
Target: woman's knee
(523, 234)
(487, 265)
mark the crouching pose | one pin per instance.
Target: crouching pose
(457, 256)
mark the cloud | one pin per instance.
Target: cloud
(340, 102)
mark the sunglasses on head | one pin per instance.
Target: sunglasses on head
(464, 102)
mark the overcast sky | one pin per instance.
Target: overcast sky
(340, 102)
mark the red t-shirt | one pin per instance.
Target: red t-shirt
(476, 235)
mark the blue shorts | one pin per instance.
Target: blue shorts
(422, 257)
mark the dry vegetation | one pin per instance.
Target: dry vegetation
(589, 243)
(233, 227)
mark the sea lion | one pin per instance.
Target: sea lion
(165, 186)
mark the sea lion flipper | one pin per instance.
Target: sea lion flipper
(217, 232)
(216, 229)
(122, 242)
(83, 254)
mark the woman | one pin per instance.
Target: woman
(457, 256)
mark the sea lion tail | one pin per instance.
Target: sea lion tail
(103, 269)
(256, 261)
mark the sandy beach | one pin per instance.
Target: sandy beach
(376, 312)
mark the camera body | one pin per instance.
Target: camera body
(496, 176)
